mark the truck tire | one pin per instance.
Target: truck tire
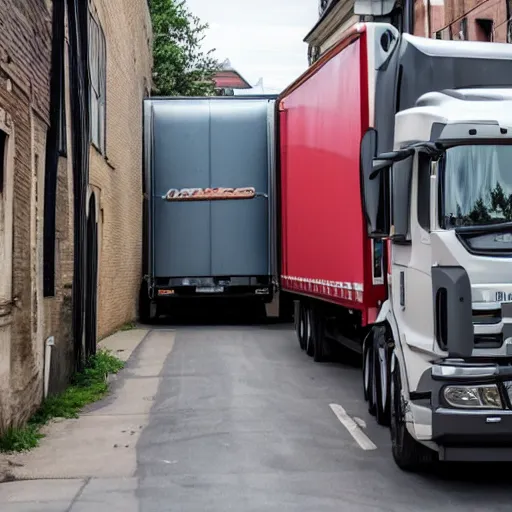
(321, 343)
(296, 317)
(409, 454)
(381, 377)
(369, 375)
(310, 340)
(301, 326)
(367, 366)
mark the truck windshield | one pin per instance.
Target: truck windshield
(476, 185)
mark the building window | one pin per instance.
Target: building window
(98, 72)
(463, 33)
(6, 214)
(484, 30)
(323, 5)
(313, 54)
(445, 34)
(3, 163)
(62, 134)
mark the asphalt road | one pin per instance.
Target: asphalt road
(243, 421)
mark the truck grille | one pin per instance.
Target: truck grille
(486, 316)
(488, 340)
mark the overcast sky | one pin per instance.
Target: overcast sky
(261, 38)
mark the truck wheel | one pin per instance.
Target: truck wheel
(301, 322)
(381, 377)
(367, 366)
(408, 454)
(296, 317)
(320, 342)
(310, 341)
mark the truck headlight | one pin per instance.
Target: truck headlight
(473, 397)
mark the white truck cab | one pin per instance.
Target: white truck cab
(438, 360)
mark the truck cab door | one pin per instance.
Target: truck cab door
(411, 252)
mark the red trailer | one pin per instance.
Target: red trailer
(328, 262)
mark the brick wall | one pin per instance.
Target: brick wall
(117, 182)
(428, 17)
(25, 41)
(448, 18)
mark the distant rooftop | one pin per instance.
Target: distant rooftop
(258, 89)
(229, 78)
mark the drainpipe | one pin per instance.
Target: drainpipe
(428, 19)
(509, 14)
(407, 15)
(50, 342)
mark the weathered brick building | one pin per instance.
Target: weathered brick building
(70, 211)
(124, 78)
(469, 20)
(25, 48)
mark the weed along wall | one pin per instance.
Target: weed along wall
(86, 387)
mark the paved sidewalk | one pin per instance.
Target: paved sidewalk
(90, 463)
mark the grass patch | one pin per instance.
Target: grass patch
(86, 387)
(128, 326)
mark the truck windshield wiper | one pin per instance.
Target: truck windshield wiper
(485, 228)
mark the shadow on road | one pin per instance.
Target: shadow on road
(486, 476)
(218, 314)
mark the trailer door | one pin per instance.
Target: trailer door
(239, 158)
(181, 151)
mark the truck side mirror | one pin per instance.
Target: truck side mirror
(375, 185)
(401, 193)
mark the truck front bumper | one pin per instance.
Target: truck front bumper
(471, 403)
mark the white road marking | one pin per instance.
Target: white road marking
(360, 422)
(353, 428)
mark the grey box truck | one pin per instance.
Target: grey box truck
(210, 213)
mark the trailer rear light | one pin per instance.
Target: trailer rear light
(164, 293)
(473, 397)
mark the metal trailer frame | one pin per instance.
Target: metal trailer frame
(148, 257)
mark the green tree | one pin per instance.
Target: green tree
(180, 67)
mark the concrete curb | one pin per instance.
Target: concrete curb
(123, 343)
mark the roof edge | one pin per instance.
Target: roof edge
(322, 18)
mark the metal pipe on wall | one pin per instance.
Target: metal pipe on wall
(427, 18)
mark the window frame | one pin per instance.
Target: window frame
(7, 213)
(486, 26)
(98, 84)
(4, 140)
